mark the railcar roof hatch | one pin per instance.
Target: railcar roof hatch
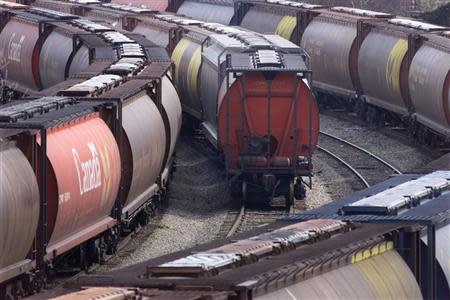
(416, 24)
(407, 194)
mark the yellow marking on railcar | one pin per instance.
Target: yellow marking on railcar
(394, 64)
(193, 70)
(286, 27)
(374, 251)
(177, 54)
(387, 276)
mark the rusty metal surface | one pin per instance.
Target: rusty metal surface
(146, 144)
(380, 62)
(85, 168)
(329, 45)
(172, 108)
(430, 86)
(18, 41)
(19, 205)
(54, 57)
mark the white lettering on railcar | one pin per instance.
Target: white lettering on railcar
(15, 48)
(64, 197)
(89, 174)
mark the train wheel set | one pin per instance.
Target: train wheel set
(93, 97)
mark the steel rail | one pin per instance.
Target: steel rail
(390, 166)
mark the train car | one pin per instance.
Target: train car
(429, 87)
(382, 99)
(384, 62)
(27, 52)
(280, 19)
(334, 34)
(271, 86)
(78, 143)
(374, 244)
(410, 199)
(263, 154)
(66, 175)
(19, 209)
(206, 10)
(331, 269)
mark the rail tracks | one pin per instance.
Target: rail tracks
(367, 168)
(247, 217)
(363, 166)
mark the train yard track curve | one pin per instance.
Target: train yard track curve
(248, 217)
(366, 166)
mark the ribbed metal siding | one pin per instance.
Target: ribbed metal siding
(380, 277)
(156, 35)
(80, 61)
(19, 205)
(261, 20)
(219, 13)
(17, 44)
(85, 162)
(187, 58)
(379, 64)
(286, 27)
(53, 59)
(429, 84)
(172, 107)
(329, 45)
(145, 132)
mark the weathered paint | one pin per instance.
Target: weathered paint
(394, 64)
(19, 205)
(286, 27)
(384, 276)
(250, 118)
(83, 176)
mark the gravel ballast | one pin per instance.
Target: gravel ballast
(199, 200)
